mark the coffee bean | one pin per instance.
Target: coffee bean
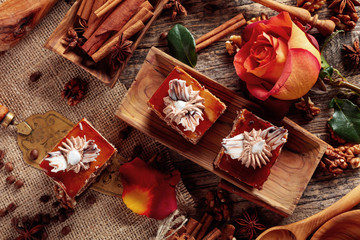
(35, 76)
(65, 230)
(62, 217)
(45, 198)
(34, 154)
(3, 212)
(18, 184)
(10, 179)
(46, 219)
(44, 236)
(38, 218)
(9, 166)
(11, 207)
(55, 204)
(2, 164)
(91, 199)
(54, 219)
(69, 212)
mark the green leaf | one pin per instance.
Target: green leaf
(346, 120)
(182, 45)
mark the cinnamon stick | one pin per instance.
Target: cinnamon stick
(109, 6)
(208, 220)
(228, 232)
(113, 23)
(147, 5)
(191, 225)
(81, 8)
(106, 48)
(219, 32)
(134, 25)
(96, 5)
(94, 22)
(85, 14)
(213, 234)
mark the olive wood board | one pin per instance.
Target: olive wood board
(101, 69)
(290, 174)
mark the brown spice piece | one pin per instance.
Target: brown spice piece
(262, 16)
(3, 212)
(71, 40)
(34, 154)
(11, 207)
(2, 155)
(233, 44)
(2, 164)
(74, 91)
(55, 204)
(163, 35)
(35, 76)
(9, 167)
(177, 8)
(308, 107)
(310, 5)
(346, 15)
(336, 160)
(18, 184)
(352, 54)
(45, 198)
(10, 179)
(65, 230)
(119, 53)
(124, 134)
(91, 199)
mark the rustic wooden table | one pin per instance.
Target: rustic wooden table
(323, 190)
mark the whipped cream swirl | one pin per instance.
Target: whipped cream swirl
(183, 105)
(75, 154)
(254, 148)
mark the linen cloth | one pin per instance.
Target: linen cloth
(108, 218)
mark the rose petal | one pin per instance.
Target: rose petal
(148, 191)
(299, 81)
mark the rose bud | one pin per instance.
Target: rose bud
(278, 59)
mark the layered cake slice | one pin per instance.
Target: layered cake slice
(185, 105)
(251, 149)
(76, 161)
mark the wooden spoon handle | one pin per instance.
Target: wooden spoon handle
(325, 27)
(346, 203)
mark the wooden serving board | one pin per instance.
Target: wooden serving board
(99, 70)
(290, 174)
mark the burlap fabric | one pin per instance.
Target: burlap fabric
(108, 218)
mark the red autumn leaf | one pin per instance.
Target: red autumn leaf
(148, 191)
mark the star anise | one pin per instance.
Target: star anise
(30, 229)
(74, 91)
(353, 53)
(71, 40)
(177, 8)
(340, 6)
(249, 224)
(119, 53)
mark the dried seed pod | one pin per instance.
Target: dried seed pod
(35, 76)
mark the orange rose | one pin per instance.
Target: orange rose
(278, 59)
